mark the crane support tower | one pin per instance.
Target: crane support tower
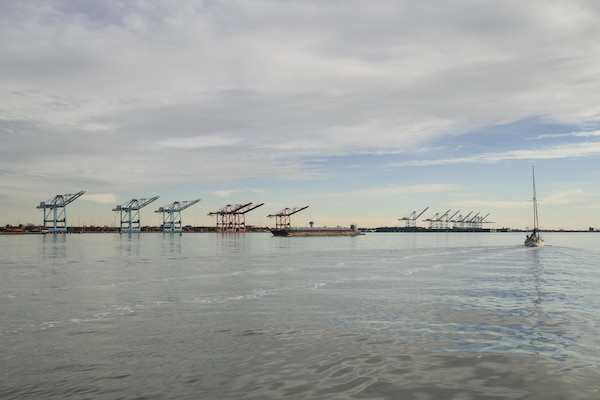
(282, 218)
(130, 214)
(411, 219)
(172, 215)
(232, 218)
(55, 211)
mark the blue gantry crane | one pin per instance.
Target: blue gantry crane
(130, 214)
(172, 215)
(55, 211)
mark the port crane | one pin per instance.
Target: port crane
(447, 218)
(55, 211)
(171, 215)
(460, 221)
(232, 218)
(470, 221)
(436, 221)
(282, 218)
(477, 221)
(130, 214)
(412, 218)
(443, 221)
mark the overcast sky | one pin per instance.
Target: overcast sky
(363, 110)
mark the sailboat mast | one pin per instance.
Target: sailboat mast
(535, 211)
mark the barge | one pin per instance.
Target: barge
(320, 231)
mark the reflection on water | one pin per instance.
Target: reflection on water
(538, 340)
(538, 282)
(251, 316)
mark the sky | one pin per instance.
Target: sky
(365, 111)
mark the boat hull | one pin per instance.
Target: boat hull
(535, 241)
(315, 232)
(24, 233)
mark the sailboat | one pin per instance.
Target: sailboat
(534, 239)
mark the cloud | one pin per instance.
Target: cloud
(583, 134)
(196, 142)
(121, 96)
(102, 198)
(389, 76)
(489, 204)
(570, 196)
(560, 198)
(223, 193)
(578, 150)
(386, 191)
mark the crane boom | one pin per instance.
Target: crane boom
(229, 209)
(287, 212)
(453, 215)
(188, 204)
(135, 204)
(445, 214)
(60, 200)
(473, 218)
(177, 206)
(249, 208)
(421, 213)
(413, 215)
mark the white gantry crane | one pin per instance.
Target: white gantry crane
(411, 219)
(130, 214)
(55, 212)
(435, 222)
(172, 215)
(447, 219)
(460, 221)
(477, 222)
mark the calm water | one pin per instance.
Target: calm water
(251, 316)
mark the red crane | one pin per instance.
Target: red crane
(232, 218)
(282, 218)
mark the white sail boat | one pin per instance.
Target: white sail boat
(534, 239)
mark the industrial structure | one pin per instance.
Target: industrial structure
(446, 219)
(443, 221)
(460, 222)
(411, 219)
(282, 218)
(232, 218)
(477, 222)
(130, 214)
(55, 211)
(172, 215)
